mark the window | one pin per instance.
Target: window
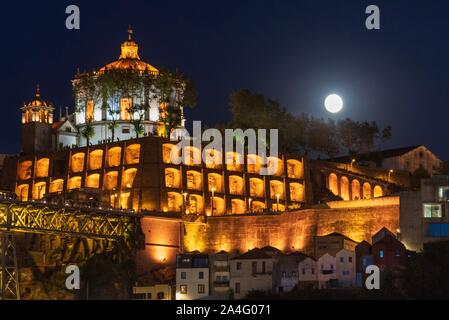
(263, 266)
(313, 271)
(201, 275)
(201, 288)
(183, 275)
(254, 267)
(294, 274)
(284, 274)
(239, 266)
(350, 259)
(303, 270)
(332, 267)
(342, 259)
(381, 254)
(443, 194)
(237, 287)
(160, 296)
(433, 210)
(183, 289)
(139, 296)
(126, 130)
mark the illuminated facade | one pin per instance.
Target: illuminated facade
(138, 174)
(104, 113)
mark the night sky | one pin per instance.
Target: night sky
(295, 52)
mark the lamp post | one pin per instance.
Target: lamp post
(277, 200)
(212, 201)
(389, 174)
(352, 162)
(184, 203)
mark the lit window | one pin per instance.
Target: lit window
(183, 289)
(443, 194)
(381, 254)
(433, 210)
(201, 288)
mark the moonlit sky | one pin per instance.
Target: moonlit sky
(296, 52)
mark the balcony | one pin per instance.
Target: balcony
(221, 283)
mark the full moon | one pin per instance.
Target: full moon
(333, 103)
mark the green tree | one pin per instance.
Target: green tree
(88, 131)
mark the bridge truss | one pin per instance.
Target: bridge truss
(36, 218)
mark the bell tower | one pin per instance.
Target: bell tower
(37, 121)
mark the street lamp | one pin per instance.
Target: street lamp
(277, 199)
(389, 174)
(352, 162)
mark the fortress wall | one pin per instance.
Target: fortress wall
(293, 231)
(290, 231)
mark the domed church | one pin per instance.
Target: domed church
(127, 98)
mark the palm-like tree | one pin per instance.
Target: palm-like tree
(88, 131)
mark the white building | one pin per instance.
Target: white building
(308, 273)
(346, 268)
(327, 271)
(192, 276)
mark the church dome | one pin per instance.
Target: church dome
(129, 59)
(37, 102)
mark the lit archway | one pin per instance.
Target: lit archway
(192, 156)
(110, 180)
(275, 166)
(39, 190)
(132, 155)
(355, 188)
(238, 206)
(344, 188)
(78, 162)
(172, 178)
(366, 191)
(277, 188)
(93, 181)
(378, 192)
(253, 163)
(128, 178)
(174, 202)
(114, 156)
(22, 192)
(96, 159)
(258, 206)
(257, 188)
(167, 150)
(195, 204)
(74, 183)
(24, 170)
(213, 159)
(42, 166)
(234, 161)
(219, 206)
(236, 185)
(295, 169)
(296, 192)
(57, 186)
(194, 180)
(333, 184)
(215, 182)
